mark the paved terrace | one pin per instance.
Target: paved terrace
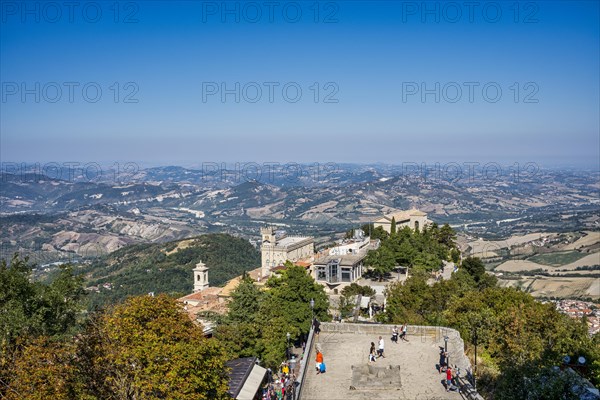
(345, 345)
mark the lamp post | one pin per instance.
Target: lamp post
(446, 350)
(312, 311)
(287, 349)
(475, 368)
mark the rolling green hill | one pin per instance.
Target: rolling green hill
(167, 267)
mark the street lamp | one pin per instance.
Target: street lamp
(475, 368)
(287, 349)
(312, 311)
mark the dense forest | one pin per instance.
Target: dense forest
(167, 267)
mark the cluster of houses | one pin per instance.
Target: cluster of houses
(334, 268)
(578, 309)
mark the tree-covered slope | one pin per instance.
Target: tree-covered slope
(167, 267)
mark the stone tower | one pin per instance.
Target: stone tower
(268, 235)
(267, 246)
(200, 277)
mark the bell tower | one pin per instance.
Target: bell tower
(268, 235)
(267, 246)
(200, 277)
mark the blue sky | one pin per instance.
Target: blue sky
(388, 76)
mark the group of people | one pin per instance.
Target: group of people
(399, 334)
(451, 382)
(280, 387)
(375, 354)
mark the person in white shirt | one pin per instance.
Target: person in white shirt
(395, 334)
(380, 349)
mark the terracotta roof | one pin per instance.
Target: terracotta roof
(303, 264)
(214, 306)
(230, 287)
(198, 296)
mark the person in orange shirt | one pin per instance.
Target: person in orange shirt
(319, 361)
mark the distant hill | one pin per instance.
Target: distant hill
(167, 267)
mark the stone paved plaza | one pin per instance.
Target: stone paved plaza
(416, 360)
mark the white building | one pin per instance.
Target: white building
(333, 271)
(200, 277)
(345, 262)
(351, 246)
(277, 249)
(414, 219)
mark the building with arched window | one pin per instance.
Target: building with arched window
(276, 249)
(414, 219)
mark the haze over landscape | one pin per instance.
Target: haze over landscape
(155, 65)
(191, 190)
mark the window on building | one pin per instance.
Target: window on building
(333, 272)
(346, 275)
(321, 275)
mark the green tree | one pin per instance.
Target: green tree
(407, 302)
(31, 309)
(244, 305)
(447, 236)
(427, 262)
(455, 255)
(381, 261)
(286, 308)
(536, 381)
(393, 226)
(45, 369)
(148, 348)
(354, 288)
(475, 267)
(240, 329)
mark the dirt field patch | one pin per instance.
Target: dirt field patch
(520, 265)
(590, 259)
(565, 287)
(589, 239)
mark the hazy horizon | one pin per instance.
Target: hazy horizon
(349, 81)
